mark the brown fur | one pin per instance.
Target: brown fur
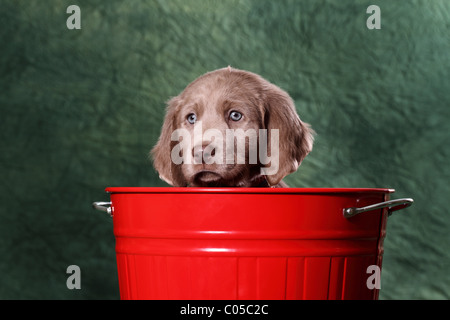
(212, 97)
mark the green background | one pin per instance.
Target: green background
(80, 109)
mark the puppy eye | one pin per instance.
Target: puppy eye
(191, 118)
(235, 116)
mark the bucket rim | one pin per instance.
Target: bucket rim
(237, 190)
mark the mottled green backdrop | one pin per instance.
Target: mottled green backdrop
(80, 109)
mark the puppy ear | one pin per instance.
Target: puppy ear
(295, 137)
(168, 171)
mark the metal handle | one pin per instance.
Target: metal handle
(393, 205)
(101, 206)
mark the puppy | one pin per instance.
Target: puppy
(231, 128)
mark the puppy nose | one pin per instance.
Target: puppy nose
(203, 154)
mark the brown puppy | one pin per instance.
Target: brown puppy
(231, 128)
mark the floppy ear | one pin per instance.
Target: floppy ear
(295, 137)
(168, 171)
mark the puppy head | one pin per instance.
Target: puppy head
(220, 111)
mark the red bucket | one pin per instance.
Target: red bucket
(249, 243)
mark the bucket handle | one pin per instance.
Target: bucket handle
(393, 205)
(103, 206)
